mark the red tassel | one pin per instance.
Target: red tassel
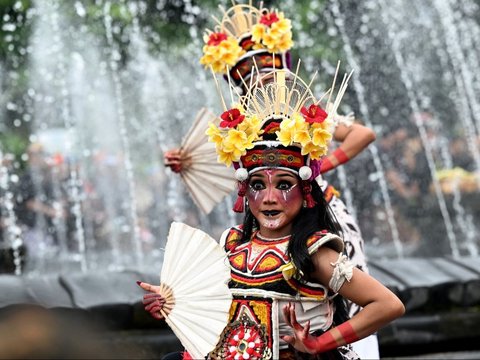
(239, 206)
(307, 194)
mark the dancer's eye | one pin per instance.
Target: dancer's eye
(284, 185)
(257, 185)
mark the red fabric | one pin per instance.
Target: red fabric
(326, 166)
(307, 194)
(239, 205)
(341, 156)
(186, 356)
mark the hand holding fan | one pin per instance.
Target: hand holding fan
(194, 278)
(207, 180)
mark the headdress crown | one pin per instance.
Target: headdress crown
(279, 111)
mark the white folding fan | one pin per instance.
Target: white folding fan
(207, 180)
(194, 278)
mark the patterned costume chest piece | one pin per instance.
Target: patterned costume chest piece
(260, 258)
(259, 288)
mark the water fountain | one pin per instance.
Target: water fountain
(104, 95)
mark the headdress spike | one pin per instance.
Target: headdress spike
(218, 89)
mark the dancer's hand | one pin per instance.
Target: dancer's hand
(173, 159)
(153, 301)
(301, 339)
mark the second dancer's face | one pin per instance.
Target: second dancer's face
(275, 198)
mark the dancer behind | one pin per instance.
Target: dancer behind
(288, 273)
(248, 38)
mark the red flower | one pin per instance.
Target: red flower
(231, 118)
(216, 38)
(314, 114)
(269, 18)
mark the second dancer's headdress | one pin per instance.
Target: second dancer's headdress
(245, 36)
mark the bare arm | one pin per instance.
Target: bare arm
(380, 306)
(353, 140)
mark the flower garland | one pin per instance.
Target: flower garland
(237, 133)
(273, 32)
(220, 51)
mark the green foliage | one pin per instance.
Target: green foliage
(14, 143)
(14, 32)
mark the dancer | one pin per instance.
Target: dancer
(247, 39)
(288, 273)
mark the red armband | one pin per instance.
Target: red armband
(341, 156)
(326, 341)
(327, 165)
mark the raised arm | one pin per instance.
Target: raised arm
(353, 139)
(380, 306)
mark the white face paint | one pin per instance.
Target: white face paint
(271, 224)
(275, 199)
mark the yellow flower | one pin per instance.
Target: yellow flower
(230, 51)
(251, 126)
(283, 25)
(321, 137)
(214, 134)
(299, 122)
(302, 137)
(285, 136)
(235, 140)
(308, 148)
(318, 152)
(226, 157)
(219, 67)
(251, 138)
(285, 43)
(269, 41)
(257, 33)
(222, 54)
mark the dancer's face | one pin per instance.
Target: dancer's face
(275, 199)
